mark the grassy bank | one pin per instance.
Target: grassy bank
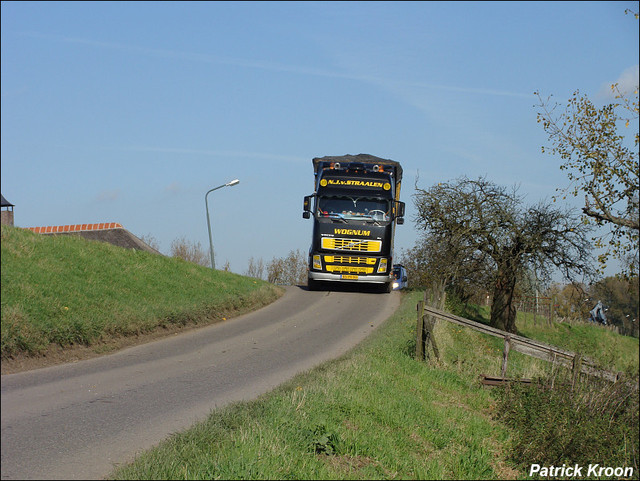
(372, 414)
(608, 349)
(611, 350)
(65, 291)
(376, 413)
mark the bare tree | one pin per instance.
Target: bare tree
(255, 268)
(189, 251)
(489, 228)
(290, 270)
(151, 241)
(442, 261)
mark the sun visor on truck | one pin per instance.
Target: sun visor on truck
(355, 186)
(369, 160)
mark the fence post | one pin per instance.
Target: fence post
(505, 355)
(577, 367)
(553, 370)
(420, 332)
(438, 300)
(430, 338)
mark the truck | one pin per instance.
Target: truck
(355, 208)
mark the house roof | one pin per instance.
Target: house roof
(110, 232)
(5, 202)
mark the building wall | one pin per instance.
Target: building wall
(7, 217)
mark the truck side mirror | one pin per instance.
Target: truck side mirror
(306, 208)
(400, 209)
(400, 212)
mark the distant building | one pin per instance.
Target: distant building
(110, 232)
(7, 211)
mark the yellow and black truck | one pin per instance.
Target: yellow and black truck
(355, 208)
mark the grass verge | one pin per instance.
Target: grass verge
(66, 291)
(375, 413)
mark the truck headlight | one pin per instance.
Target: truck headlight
(317, 263)
(382, 267)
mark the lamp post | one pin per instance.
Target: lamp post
(228, 184)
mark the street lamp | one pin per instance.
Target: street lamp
(228, 184)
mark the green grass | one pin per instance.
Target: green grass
(66, 290)
(609, 349)
(375, 413)
(606, 347)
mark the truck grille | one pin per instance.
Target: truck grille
(349, 260)
(354, 265)
(351, 244)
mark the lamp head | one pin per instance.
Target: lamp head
(233, 182)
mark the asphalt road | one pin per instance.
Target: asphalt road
(80, 420)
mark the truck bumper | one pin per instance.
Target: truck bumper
(326, 276)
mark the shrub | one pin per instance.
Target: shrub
(595, 422)
(190, 252)
(290, 270)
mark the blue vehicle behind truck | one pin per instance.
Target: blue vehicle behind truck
(400, 280)
(355, 209)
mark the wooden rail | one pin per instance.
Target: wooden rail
(530, 347)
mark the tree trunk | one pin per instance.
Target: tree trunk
(503, 311)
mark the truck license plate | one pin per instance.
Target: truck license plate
(349, 277)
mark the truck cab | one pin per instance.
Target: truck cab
(355, 208)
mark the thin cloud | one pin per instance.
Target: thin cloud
(218, 153)
(174, 188)
(628, 82)
(269, 66)
(108, 196)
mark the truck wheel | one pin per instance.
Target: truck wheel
(312, 285)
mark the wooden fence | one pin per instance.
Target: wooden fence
(541, 309)
(427, 315)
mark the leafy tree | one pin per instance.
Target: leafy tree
(595, 147)
(492, 230)
(620, 297)
(572, 301)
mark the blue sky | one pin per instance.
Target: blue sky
(130, 112)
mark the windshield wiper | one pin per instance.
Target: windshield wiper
(337, 217)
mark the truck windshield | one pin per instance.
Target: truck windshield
(354, 208)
